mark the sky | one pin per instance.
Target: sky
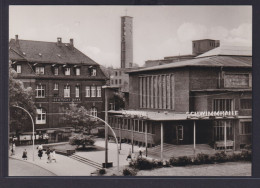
(158, 31)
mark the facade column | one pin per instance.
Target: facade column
(234, 133)
(194, 137)
(161, 140)
(146, 144)
(225, 135)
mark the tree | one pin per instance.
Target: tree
(79, 117)
(20, 96)
(82, 140)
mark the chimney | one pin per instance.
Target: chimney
(16, 37)
(71, 43)
(59, 41)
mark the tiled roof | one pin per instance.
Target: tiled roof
(228, 50)
(211, 61)
(47, 52)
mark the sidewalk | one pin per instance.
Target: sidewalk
(65, 166)
(99, 156)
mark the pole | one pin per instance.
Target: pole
(132, 126)
(120, 126)
(161, 140)
(32, 125)
(146, 144)
(225, 136)
(106, 128)
(194, 137)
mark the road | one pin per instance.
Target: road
(23, 168)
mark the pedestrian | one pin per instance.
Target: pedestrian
(48, 152)
(40, 154)
(24, 155)
(140, 152)
(53, 155)
(129, 156)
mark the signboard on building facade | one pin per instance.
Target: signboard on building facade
(66, 100)
(212, 114)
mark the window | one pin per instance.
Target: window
(245, 104)
(93, 72)
(40, 91)
(19, 69)
(223, 105)
(87, 91)
(116, 81)
(116, 73)
(39, 70)
(93, 111)
(120, 81)
(141, 126)
(77, 71)
(67, 71)
(56, 86)
(179, 132)
(93, 91)
(41, 116)
(77, 91)
(56, 71)
(219, 130)
(66, 91)
(98, 91)
(245, 128)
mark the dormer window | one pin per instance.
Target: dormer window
(67, 71)
(93, 72)
(56, 71)
(39, 70)
(77, 71)
(18, 68)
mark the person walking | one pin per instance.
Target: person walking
(129, 156)
(40, 152)
(48, 152)
(53, 155)
(24, 155)
(140, 152)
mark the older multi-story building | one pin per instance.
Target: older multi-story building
(59, 74)
(204, 100)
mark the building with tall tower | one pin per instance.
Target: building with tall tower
(126, 42)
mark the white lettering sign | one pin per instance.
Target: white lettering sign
(201, 114)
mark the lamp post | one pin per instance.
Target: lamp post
(32, 124)
(108, 126)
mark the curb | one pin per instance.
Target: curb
(33, 164)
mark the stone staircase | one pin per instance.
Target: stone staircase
(86, 161)
(170, 150)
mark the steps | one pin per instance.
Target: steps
(86, 161)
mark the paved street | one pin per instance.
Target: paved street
(65, 166)
(22, 168)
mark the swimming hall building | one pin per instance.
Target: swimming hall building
(205, 100)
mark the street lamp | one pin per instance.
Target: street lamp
(107, 125)
(32, 124)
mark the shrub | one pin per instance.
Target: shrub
(129, 172)
(102, 171)
(157, 163)
(81, 140)
(202, 159)
(220, 157)
(166, 163)
(246, 155)
(144, 164)
(180, 161)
